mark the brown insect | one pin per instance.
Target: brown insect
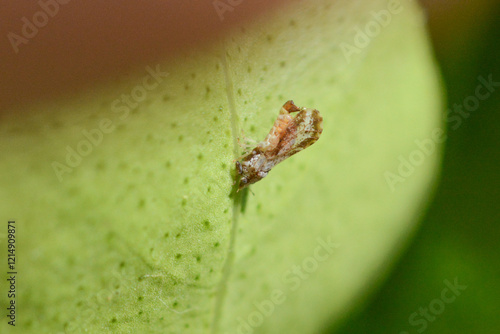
(288, 136)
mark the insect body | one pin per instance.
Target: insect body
(288, 136)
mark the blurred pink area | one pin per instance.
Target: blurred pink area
(82, 42)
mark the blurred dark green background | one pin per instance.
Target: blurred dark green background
(459, 235)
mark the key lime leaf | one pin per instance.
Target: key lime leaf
(127, 219)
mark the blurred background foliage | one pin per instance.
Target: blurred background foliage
(459, 234)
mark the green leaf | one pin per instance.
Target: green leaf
(140, 229)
